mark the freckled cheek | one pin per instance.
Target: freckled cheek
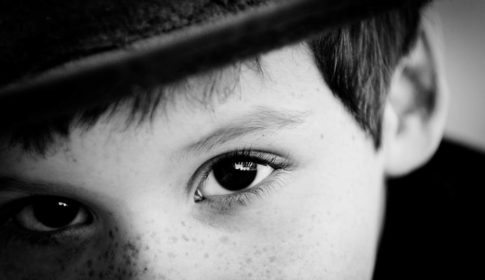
(246, 256)
(103, 255)
(258, 249)
(41, 259)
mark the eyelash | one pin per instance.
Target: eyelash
(222, 203)
(9, 210)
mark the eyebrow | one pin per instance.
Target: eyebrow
(138, 104)
(262, 119)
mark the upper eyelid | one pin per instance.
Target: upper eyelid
(224, 203)
(26, 187)
(21, 191)
(19, 203)
(204, 170)
(249, 153)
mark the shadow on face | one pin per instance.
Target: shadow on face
(275, 180)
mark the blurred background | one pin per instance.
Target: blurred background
(463, 28)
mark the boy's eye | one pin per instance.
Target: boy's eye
(45, 214)
(233, 174)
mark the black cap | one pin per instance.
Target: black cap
(54, 53)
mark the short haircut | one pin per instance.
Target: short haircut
(356, 61)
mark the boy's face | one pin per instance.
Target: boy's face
(306, 198)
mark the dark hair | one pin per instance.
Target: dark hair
(356, 61)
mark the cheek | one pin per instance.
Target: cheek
(294, 235)
(326, 231)
(106, 256)
(326, 223)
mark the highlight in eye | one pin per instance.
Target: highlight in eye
(236, 175)
(46, 214)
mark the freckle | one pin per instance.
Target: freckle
(185, 238)
(321, 136)
(300, 236)
(272, 259)
(111, 235)
(182, 223)
(147, 247)
(249, 260)
(206, 255)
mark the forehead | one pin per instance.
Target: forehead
(282, 104)
(201, 92)
(279, 79)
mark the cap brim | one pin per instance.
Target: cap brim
(168, 58)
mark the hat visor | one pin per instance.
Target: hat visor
(168, 58)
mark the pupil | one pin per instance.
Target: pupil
(235, 174)
(55, 213)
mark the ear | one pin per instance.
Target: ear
(415, 110)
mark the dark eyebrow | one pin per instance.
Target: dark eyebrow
(262, 119)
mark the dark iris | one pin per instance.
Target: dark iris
(55, 212)
(235, 174)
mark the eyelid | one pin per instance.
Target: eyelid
(10, 209)
(226, 203)
(276, 161)
(272, 159)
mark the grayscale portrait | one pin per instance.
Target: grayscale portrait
(240, 139)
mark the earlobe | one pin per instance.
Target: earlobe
(415, 110)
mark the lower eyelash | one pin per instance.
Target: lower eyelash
(226, 203)
(10, 231)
